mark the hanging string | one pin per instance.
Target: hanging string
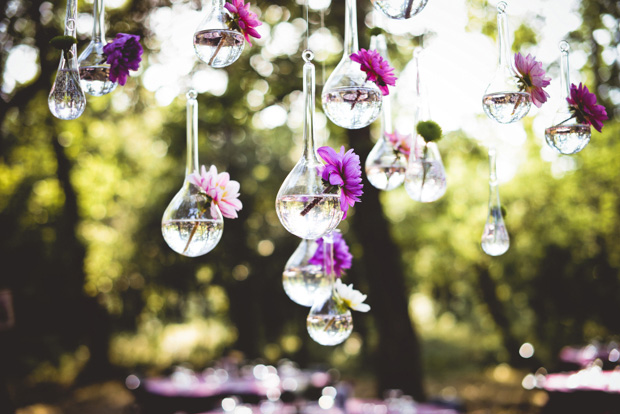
(306, 7)
(321, 31)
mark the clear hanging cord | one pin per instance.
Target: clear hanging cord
(66, 99)
(495, 240)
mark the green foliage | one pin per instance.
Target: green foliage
(63, 42)
(429, 130)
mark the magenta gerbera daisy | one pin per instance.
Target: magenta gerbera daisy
(342, 256)
(377, 69)
(342, 170)
(244, 19)
(532, 78)
(584, 107)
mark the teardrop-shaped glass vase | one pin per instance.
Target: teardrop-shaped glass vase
(329, 321)
(66, 99)
(387, 161)
(94, 71)
(400, 9)
(215, 42)
(425, 178)
(495, 240)
(503, 100)
(301, 280)
(192, 225)
(302, 204)
(349, 100)
(566, 136)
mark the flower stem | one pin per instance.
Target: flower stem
(425, 168)
(567, 119)
(330, 323)
(191, 235)
(357, 96)
(516, 105)
(317, 199)
(408, 9)
(219, 46)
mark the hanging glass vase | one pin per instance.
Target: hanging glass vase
(329, 321)
(567, 136)
(400, 9)
(94, 71)
(301, 280)
(495, 240)
(302, 205)
(425, 177)
(349, 100)
(66, 99)
(215, 42)
(192, 225)
(503, 101)
(387, 161)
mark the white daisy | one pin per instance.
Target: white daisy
(352, 298)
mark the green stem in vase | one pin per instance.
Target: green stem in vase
(223, 39)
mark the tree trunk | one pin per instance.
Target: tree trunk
(398, 362)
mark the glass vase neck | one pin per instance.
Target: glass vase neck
(378, 43)
(192, 133)
(493, 184)
(503, 39)
(309, 86)
(564, 69)
(328, 258)
(71, 18)
(422, 110)
(217, 4)
(350, 28)
(99, 21)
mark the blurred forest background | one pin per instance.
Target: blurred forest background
(98, 294)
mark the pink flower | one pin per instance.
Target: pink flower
(342, 255)
(223, 191)
(377, 69)
(400, 142)
(344, 171)
(584, 107)
(532, 78)
(244, 19)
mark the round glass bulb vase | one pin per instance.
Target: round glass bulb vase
(94, 71)
(566, 136)
(215, 42)
(400, 9)
(385, 165)
(425, 178)
(349, 100)
(191, 224)
(329, 321)
(303, 206)
(301, 280)
(503, 101)
(495, 240)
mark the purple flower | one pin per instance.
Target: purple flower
(244, 19)
(532, 78)
(584, 107)
(342, 256)
(123, 53)
(377, 69)
(342, 170)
